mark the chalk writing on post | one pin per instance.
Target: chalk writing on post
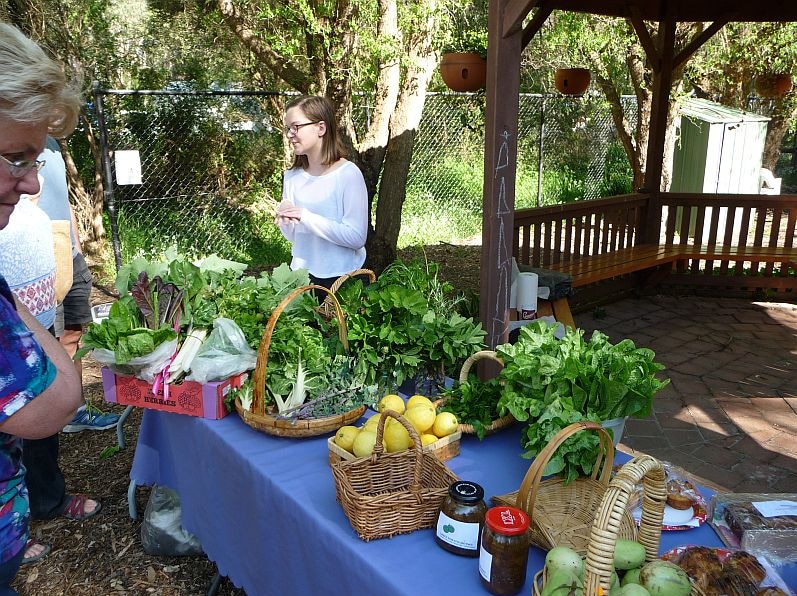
(499, 323)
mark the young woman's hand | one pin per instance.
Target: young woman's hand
(289, 214)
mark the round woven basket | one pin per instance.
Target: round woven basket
(562, 515)
(607, 524)
(499, 423)
(261, 419)
(327, 308)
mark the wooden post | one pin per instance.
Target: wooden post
(500, 165)
(662, 81)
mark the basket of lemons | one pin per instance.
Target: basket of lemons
(439, 431)
(386, 494)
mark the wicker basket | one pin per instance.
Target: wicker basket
(392, 493)
(563, 515)
(499, 423)
(267, 422)
(327, 308)
(606, 528)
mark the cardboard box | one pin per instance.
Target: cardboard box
(189, 398)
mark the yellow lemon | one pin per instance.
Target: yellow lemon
(421, 417)
(396, 438)
(445, 423)
(392, 402)
(364, 443)
(427, 439)
(345, 436)
(419, 400)
(371, 423)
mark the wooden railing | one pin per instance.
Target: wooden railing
(564, 233)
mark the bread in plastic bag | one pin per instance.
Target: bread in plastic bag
(224, 353)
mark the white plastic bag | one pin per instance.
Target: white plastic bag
(225, 353)
(143, 367)
(162, 532)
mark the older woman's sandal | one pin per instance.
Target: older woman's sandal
(76, 508)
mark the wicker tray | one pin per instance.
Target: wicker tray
(268, 422)
(327, 308)
(392, 493)
(499, 423)
(443, 449)
(606, 528)
(563, 515)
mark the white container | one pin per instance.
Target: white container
(527, 296)
(617, 425)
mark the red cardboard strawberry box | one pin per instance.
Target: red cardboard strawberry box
(189, 398)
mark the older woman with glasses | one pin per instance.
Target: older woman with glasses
(324, 208)
(39, 386)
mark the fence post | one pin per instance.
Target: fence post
(108, 196)
(540, 149)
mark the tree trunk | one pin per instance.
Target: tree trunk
(777, 128)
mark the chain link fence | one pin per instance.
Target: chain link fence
(212, 162)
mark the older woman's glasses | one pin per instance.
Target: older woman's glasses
(294, 128)
(19, 168)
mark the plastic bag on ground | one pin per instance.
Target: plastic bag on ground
(162, 532)
(225, 353)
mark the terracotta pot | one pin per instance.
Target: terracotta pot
(463, 71)
(773, 85)
(572, 81)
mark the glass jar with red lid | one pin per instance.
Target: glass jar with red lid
(504, 553)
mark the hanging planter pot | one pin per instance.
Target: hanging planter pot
(773, 85)
(572, 81)
(463, 71)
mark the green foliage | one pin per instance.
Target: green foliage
(473, 402)
(551, 383)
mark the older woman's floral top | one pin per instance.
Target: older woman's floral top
(25, 371)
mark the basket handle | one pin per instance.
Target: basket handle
(415, 487)
(339, 282)
(474, 358)
(601, 471)
(605, 529)
(259, 377)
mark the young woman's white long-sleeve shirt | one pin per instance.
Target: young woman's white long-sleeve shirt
(330, 238)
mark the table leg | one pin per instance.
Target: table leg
(561, 311)
(120, 435)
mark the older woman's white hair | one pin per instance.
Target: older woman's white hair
(33, 86)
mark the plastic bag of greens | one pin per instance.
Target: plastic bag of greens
(223, 354)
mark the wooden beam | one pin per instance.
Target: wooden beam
(698, 41)
(662, 82)
(500, 169)
(536, 23)
(515, 12)
(644, 38)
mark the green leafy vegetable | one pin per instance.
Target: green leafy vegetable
(551, 383)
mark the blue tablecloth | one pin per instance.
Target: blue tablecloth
(264, 509)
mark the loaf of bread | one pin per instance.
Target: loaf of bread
(743, 516)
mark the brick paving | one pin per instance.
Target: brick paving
(729, 414)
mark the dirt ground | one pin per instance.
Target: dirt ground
(103, 555)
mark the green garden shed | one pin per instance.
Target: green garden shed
(719, 149)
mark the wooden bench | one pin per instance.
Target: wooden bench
(740, 242)
(591, 269)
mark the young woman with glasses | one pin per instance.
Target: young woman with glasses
(324, 207)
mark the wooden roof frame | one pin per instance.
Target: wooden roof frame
(509, 31)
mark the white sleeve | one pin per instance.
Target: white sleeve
(288, 229)
(352, 230)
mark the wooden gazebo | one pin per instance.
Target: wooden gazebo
(512, 25)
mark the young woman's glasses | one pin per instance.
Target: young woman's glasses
(19, 168)
(294, 128)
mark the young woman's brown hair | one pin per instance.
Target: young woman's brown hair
(319, 109)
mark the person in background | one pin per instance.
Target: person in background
(324, 207)
(74, 312)
(39, 386)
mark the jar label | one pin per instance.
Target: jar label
(485, 563)
(457, 533)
